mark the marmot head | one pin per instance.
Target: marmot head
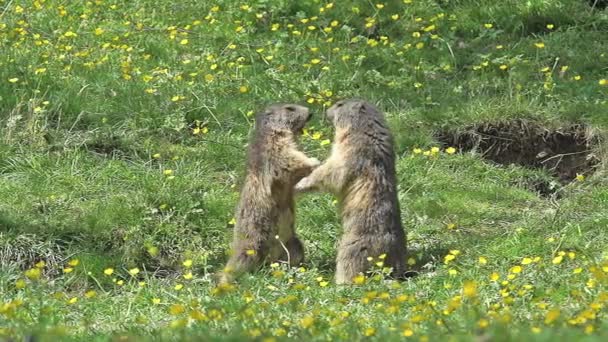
(290, 117)
(353, 113)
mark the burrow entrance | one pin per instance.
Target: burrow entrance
(564, 152)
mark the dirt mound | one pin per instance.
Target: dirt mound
(564, 152)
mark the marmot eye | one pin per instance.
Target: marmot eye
(290, 108)
(339, 104)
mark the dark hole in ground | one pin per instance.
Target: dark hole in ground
(564, 152)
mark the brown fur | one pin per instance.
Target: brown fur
(266, 206)
(361, 172)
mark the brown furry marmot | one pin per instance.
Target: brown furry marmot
(361, 172)
(266, 205)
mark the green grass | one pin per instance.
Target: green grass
(99, 99)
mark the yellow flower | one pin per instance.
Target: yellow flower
(488, 26)
(435, 150)
(540, 45)
(250, 252)
(450, 150)
(68, 270)
(90, 294)
(515, 269)
(603, 82)
(483, 323)
(188, 276)
(411, 261)
(153, 250)
(503, 67)
(134, 271)
(526, 261)
(552, 316)
(483, 260)
(307, 322)
(407, 332)
(178, 287)
(187, 263)
(243, 89)
(369, 332)
(168, 172)
(74, 262)
(557, 260)
(70, 34)
(494, 276)
(40, 264)
(359, 279)
(577, 77)
(176, 309)
(325, 142)
(417, 150)
(156, 301)
(550, 26)
(108, 271)
(19, 284)
(99, 31)
(13, 80)
(184, 42)
(469, 289)
(73, 300)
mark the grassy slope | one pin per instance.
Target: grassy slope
(80, 177)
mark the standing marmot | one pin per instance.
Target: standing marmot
(266, 205)
(361, 172)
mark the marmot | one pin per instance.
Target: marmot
(266, 206)
(361, 172)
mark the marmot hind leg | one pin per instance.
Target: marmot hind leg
(241, 261)
(350, 262)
